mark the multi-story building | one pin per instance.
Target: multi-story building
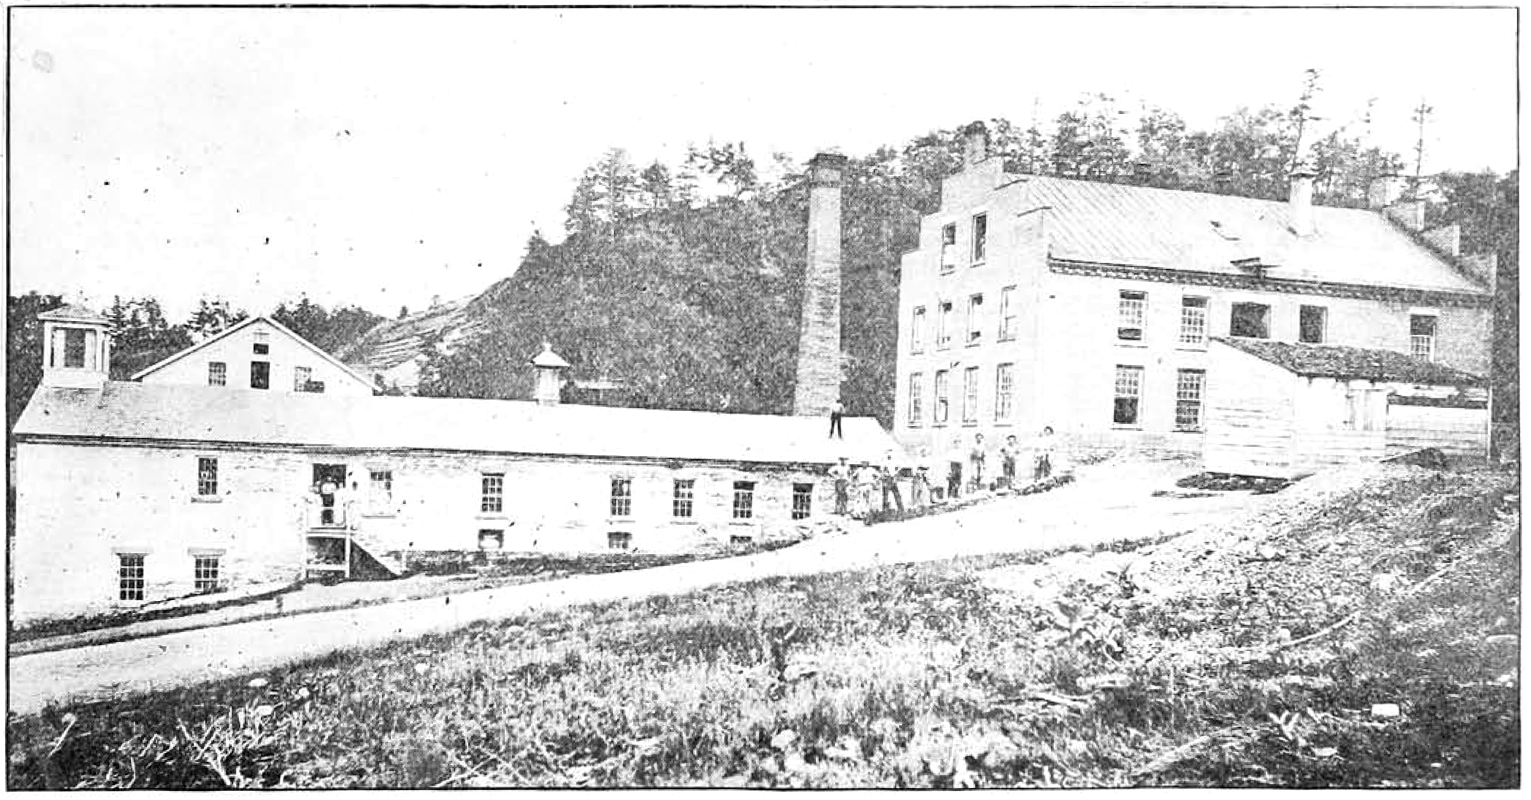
(1036, 301)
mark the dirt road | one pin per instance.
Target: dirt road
(1104, 504)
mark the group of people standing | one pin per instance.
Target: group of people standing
(965, 468)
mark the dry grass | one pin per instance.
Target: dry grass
(920, 675)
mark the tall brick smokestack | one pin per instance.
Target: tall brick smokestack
(818, 346)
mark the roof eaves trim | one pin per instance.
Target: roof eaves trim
(1442, 297)
(229, 446)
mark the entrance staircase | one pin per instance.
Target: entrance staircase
(331, 536)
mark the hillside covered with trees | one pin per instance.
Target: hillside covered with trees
(684, 281)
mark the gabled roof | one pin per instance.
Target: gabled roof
(1107, 223)
(73, 313)
(162, 413)
(1335, 361)
(282, 329)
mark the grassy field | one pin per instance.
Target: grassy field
(910, 676)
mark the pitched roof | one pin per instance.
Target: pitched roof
(1334, 361)
(1110, 223)
(213, 415)
(73, 313)
(241, 326)
(393, 342)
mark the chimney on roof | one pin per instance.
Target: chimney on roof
(818, 345)
(550, 369)
(975, 144)
(1384, 190)
(1300, 200)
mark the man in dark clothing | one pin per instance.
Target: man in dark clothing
(841, 474)
(836, 411)
(890, 483)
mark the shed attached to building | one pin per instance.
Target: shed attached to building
(1286, 410)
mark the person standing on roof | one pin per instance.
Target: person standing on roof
(836, 412)
(841, 475)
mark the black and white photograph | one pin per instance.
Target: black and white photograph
(762, 398)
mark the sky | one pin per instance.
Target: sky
(380, 157)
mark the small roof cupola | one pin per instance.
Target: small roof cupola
(77, 347)
(550, 369)
(1300, 199)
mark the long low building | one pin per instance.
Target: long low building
(129, 493)
(1287, 410)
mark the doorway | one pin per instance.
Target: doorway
(330, 479)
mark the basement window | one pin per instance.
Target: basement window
(619, 540)
(1250, 320)
(491, 539)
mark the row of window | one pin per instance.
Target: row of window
(977, 252)
(683, 499)
(1253, 321)
(1189, 387)
(492, 493)
(260, 376)
(131, 574)
(1248, 320)
(1004, 394)
(494, 539)
(1006, 331)
(260, 371)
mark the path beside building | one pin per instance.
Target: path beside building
(1102, 506)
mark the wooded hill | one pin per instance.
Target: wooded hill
(694, 302)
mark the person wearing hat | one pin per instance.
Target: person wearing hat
(919, 489)
(866, 483)
(841, 475)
